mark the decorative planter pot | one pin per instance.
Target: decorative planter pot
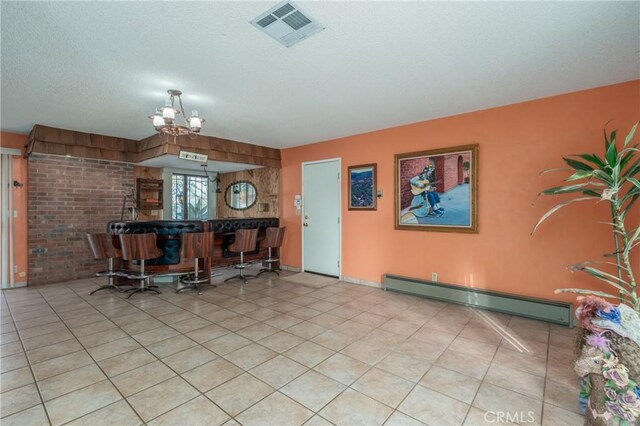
(609, 363)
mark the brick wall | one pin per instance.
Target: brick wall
(447, 168)
(453, 173)
(408, 169)
(412, 167)
(68, 197)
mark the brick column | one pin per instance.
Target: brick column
(68, 197)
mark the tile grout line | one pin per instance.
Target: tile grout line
(244, 371)
(46, 412)
(307, 340)
(251, 374)
(178, 374)
(264, 293)
(482, 381)
(96, 363)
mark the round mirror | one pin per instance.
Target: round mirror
(240, 195)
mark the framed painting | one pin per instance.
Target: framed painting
(363, 187)
(437, 190)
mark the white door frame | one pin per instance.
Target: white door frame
(329, 160)
(7, 263)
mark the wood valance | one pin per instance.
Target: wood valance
(51, 140)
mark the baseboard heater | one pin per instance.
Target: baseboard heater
(539, 309)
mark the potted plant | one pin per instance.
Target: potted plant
(608, 343)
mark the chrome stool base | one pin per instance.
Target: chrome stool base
(193, 284)
(110, 274)
(242, 277)
(193, 280)
(145, 284)
(270, 261)
(142, 290)
(106, 287)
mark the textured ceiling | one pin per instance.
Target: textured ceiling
(103, 67)
(174, 162)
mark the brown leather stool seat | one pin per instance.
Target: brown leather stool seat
(245, 241)
(101, 248)
(140, 247)
(272, 240)
(196, 246)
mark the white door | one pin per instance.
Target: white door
(321, 217)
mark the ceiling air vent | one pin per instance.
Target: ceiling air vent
(286, 23)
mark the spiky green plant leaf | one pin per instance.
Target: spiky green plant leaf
(633, 169)
(580, 174)
(584, 291)
(612, 152)
(556, 208)
(560, 169)
(634, 181)
(630, 135)
(612, 178)
(592, 193)
(592, 158)
(577, 165)
(564, 189)
(604, 177)
(608, 278)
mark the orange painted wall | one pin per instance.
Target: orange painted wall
(16, 141)
(516, 143)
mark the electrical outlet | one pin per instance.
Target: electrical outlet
(434, 277)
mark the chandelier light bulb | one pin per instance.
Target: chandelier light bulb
(157, 119)
(195, 123)
(168, 113)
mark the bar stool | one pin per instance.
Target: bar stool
(245, 241)
(196, 246)
(140, 247)
(272, 240)
(102, 248)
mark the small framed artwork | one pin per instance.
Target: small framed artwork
(363, 187)
(437, 190)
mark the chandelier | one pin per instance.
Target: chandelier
(165, 118)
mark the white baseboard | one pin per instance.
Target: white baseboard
(359, 281)
(350, 280)
(16, 285)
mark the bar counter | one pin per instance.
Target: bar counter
(168, 240)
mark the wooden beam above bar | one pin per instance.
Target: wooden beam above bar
(50, 140)
(216, 148)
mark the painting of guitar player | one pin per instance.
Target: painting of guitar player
(437, 190)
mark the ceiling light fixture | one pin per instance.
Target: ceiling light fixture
(164, 120)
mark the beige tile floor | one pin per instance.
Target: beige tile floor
(275, 353)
